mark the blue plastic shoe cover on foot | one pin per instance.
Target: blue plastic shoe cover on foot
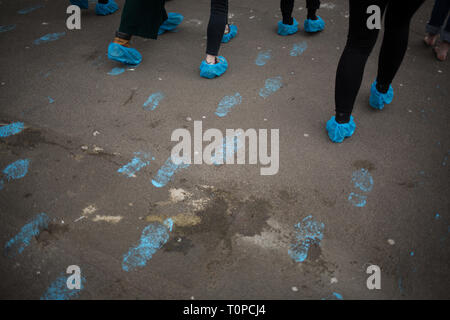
(211, 71)
(339, 131)
(230, 35)
(173, 20)
(378, 99)
(287, 29)
(314, 25)
(123, 54)
(105, 9)
(83, 4)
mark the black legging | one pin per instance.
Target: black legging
(360, 43)
(287, 6)
(216, 26)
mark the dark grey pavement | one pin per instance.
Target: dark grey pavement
(232, 227)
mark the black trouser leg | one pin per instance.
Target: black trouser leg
(312, 6)
(287, 6)
(216, 26)
(395, 41)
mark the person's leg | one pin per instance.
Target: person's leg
(312, 6)
(288, 25)
(350, 71)
(437, 20)
(313, 23)
(442, 48)
(214, 66)
(395, 41)
(287, 6)
(216, 28)
(141, 18)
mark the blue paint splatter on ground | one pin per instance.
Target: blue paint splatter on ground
(411, 253)
(58, 290)
(437, 216)
(2, 184)
(298, 49)
(49, 37)
(357, 200)
(153, 237)
(334, 296)
(272, 85)
(166, 172)
(21, 240)
(11, 129)
(17, 169)
(307, 233)
(363, 180)
(30, 9)
(50, 100)
(227, 103)
(263, 57)
(153, 101)
(116, 71)
(140, 160)
(7, 28)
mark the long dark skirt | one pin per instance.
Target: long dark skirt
(143, 18)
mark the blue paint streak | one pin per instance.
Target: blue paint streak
(21, 240)
(298, 49)
(334, 296)
(50, 100)
(7, 28)
(2, 184)
(363, 180)
(116, 71)
(153, 101)
(11, 129)
(437, 216)
(263, 57)
(153, 238)
(400, 285)
(166, 172)
(58, 290)
(49, 37)
(17, 169)
(140, 161)
(307, 233)
(227, 103)
(272, 85)
(357, 200)
(30, 9)
(411, 253)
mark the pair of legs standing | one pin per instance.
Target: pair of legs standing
(289, 25)
(360, 43)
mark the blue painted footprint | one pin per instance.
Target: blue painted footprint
(153, 237)
(58, 290)
(362, 180)
(307, 233)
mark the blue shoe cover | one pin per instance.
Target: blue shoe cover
(83, 4)
(314, 25)
(287, 29)
(211, 71)
(173, 20)
(378, 99)
(105, 9)
(123, 54)
(339, 131)
(230, 35)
